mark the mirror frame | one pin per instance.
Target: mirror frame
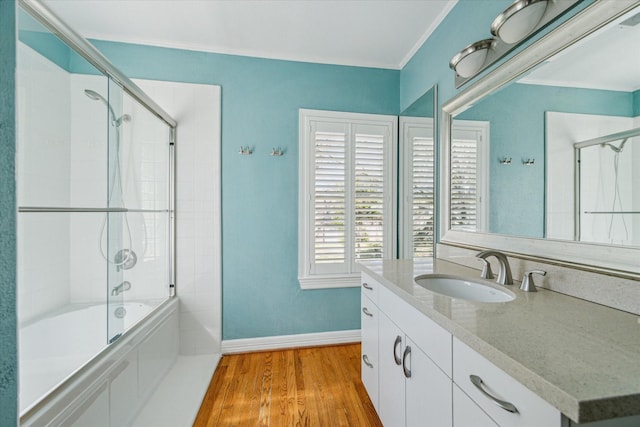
(613, 260)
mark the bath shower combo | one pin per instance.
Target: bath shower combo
(85, 343)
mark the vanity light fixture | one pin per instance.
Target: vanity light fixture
(518, 20)
(471, 59)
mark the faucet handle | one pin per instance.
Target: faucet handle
(527, 280)
(486, 269)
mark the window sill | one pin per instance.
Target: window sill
(330, 281)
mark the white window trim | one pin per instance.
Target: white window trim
(406, 182)
(482, 165)
(305, 182)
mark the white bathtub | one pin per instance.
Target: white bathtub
(54, 347)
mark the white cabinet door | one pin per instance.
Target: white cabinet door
(466, 413)
(427, 390)
(431, 337)
(369, 360)
(390, 375)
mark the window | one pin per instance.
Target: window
(417, 190)
(346, 199)
(469, 153)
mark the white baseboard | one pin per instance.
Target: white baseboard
(290, 341)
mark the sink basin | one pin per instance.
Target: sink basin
(463, 288)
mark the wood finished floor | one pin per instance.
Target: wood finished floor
(308, 387)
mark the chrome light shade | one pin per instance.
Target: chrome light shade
(470, 60)
(519, 20)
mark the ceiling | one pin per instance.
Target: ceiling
(369, 33)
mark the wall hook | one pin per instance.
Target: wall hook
(529, 162)
(505, 160)
(277, 151)
(245, 151)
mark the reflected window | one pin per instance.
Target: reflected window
(469, 152)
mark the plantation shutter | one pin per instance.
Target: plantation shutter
(369, 203)
(464, 189)
(422, 224)
(329, 198)
(346, 195)
(418, 191)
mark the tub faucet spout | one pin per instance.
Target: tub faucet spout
(124, 286)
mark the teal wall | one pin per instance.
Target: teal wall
(8, 342)
(517, 115)
(260, 102)
(636, 103)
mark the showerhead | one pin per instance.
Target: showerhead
(97, 97)
(94, 95)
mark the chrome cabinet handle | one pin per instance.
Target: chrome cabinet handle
(407, 353)
(367, 286)
(365, 359)
(477, 381)
(395, 350)
(367, 312)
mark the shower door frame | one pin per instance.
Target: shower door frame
(85, 49)
(577, 172)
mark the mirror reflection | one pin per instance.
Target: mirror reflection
(552, 154)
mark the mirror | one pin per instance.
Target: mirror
(530, 163)
(416, 129)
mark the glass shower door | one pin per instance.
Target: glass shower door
(140, 235)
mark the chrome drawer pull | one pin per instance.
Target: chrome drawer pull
(407, 352)
(477, 381)
(367, 312)
(365, 359)
(395, 350)
(367, 286)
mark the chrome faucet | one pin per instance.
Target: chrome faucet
(504, 275)
(124, 286)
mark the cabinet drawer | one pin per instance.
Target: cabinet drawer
(466, 413)
(369, 357)
(530, 409)
(430, 337)
(369, 287)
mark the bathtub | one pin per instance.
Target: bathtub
(53, 348)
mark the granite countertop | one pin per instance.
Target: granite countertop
(581, 357)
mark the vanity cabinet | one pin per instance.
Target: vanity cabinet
(417, 374)
(404, 381)
(420, 375)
